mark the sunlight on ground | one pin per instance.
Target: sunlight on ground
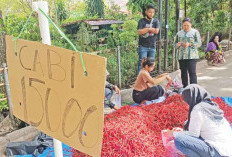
(226, 89)
(218, 68)
(207, 78)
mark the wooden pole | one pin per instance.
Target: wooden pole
(207, 40)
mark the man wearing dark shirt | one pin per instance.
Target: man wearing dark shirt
(148, 28)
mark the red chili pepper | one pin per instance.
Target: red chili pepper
(136, 131)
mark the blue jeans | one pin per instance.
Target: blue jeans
(193, 146)
(145, 52)
(108, 95)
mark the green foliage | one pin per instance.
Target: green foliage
(209, 16)
(3, 104)
(14, 25)
(61, 11)
(95, 7)
(114, 13)
(78, 13)
(86, 40)
(129, 57)
(129, 62)
(221, 20)
(115, 34)
(140, 5)
(206, 15)
(110, 40)
(82, 38)
(129, 33)
(12, 7)
(58, 40)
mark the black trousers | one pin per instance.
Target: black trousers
(148, 94)
(188, 66)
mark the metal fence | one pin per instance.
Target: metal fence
(4, 81)
(122, 62)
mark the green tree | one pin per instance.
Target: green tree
(209, 15)
(61, 11)
(129, 33)
(221, 20)
(95, 7)
(140, 5)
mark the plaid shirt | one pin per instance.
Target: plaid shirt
(193, 37)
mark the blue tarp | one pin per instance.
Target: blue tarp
(49, 152)
(227, 100)
(160, 99)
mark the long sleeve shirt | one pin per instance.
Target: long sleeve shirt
(191, 52)
(217, 135)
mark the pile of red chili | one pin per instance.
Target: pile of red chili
(136, 131)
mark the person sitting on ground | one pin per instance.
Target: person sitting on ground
(109, 88)
(208, 133)
(214, 53)
(145, 86)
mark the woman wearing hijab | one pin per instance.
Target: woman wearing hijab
(186, 42)
(208, 133)
(214, 53)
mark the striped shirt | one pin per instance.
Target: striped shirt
(193, 37)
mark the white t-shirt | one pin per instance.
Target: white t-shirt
(218, 136)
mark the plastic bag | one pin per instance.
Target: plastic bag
(117, 100)
(168, 142)
(174, 87)
(172, 151)
(35, 147)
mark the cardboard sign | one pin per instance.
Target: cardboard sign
(50, 91)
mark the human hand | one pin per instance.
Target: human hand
(117, 89)
(170, 132)
(177, 129)
(179, 44)
(169, 78)
(187, 45)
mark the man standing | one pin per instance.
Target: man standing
(148, 28)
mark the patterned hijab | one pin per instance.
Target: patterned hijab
(194, 95)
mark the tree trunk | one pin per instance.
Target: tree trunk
(230, 9)
(2, 48)
(207, 40)
(228, 47)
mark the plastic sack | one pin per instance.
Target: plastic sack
(172, 151)
(117, 100)
(175, 85)
(168, 142)
(35, 147)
